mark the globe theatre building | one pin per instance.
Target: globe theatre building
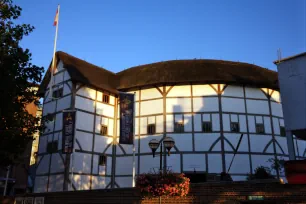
(204, 105)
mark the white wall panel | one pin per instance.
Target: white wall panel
(178, 118)
(233, 139)
(282, 141)
(124, 165)
(42, 147)
(254, 93)
(197, 122)
(85, 104)
(101, 143)
(242, 123)
(112, 100)
(159, 124)
(87, 92)
(226, 122)
(151, 107)
(258, 119)
(215, 122)
(241, 163)
(276, 96)
(233, 105)
(57, 164)
(143, 125)
(177, 105)
(267, 124)
(151, 120)
(59, 67)
(149, 94)
(276, 126)
(188, 122)
(81, 182)
(277, 109)
(239, 178)
(84, 121)
(251, 121)
(110, 127)
(193, 162)
(105, 109)
(40, 184)
(174, 163)
(259, 142)
(206, 117)
(49, 108)
(56, 183)
(301, 146)
(99, 96)
(81, 162)
(58, 122)
(63, 103)
(203, 141)
(260, 160)
(205, 104)
(85, 140)
(169, 123)
(124, 182)
(234, 117)
(67, 89)
(127, 148)
(233, 91)
(257, 106)
(136, 109)
(203, 90)
(58, 78)
(182, 141)
(180, 91)
(66, 75)
(43, 166)
(148, 163)
(99, 182)
(214, 163)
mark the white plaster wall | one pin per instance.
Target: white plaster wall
(276, 96)
(87, 92)
(58, 121)
(180, 91)
(233, 105)
(257, 106)
(251, 122)
(66, 75)
(124, 165)
(99, 182)
(194, 161)
(169, 123)
(259, 142)
(81, 162)
(203, 90)
(81, 182)
(197, 122)
(143, 125)
(159, 124)
(226, 122)
(260, 160)
(276, 109)
(177, 105)
(101, 143)
(49, 108)
(84, 121)
(59, 67)
(124, 182)
(43, 166)
(40, 184)
(85, 104)
(58, 138)
(241, 163)
(57, 164)
(205, 104)
(148, 162)
(144, 141)
(254, 93)
(204, 141)
(233, 91)
(146, 107)
(128, 148)
(56, 183)
(188, 122)
(58, 77)
(67, 88)
(214, 163)
(105, 109)
(182, 141)
(42, 147)
(137, 94)
(85, 140)
(267, 124)
(105, 121)
(301, 147)
(276, 126)
(63, 103)
(174, 163)
(282, 141)
(242, 123)
(233, 139)
(215, 122)
(149, 94)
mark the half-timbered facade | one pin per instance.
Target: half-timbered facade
(204, 105)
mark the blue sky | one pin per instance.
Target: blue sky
(117, 34)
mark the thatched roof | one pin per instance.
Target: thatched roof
(169, 72)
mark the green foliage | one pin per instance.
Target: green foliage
(277, 164)
(17, 77)
(261, 172)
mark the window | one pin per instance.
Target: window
(260, 128)
(234, 127)
(105, 98)
(52, 147)
(50, 118)
(103, 130)
(57, 93)
(178, 127)
(102, 160)
(206, 127)
(282, 131)
(151, 129)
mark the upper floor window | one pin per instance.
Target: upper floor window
(104, 130)
(179, 127)
(234, 127)
(52, 147)
(57, 93)
(260, 128)
(207, 127)
(102, 160)
(151, 129)
(105, 98)
(282, 131)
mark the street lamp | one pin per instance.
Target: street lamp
(168, 143)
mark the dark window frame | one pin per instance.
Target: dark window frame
(151, 129)
(179, 127)
(52, 146)
(258, 126)
(102, 160)
(105, 98)
(238, 127)
(104, 130)
(206, 126)
(58, 93)
(282, 130)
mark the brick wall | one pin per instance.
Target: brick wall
(229, 192)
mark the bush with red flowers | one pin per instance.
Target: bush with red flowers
(168, 184)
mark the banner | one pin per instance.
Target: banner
(126, 118)
(68, 131)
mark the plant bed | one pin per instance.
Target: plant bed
(295, 171)
(168, 184)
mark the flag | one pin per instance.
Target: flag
(56, 18)
(126, 118)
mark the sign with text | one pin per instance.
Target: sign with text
(126, 118)
(68, 131)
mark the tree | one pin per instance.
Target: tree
(17, 77)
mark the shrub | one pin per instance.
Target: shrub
(168, 184)
(261, 172)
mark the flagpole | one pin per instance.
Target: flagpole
(54, 50)
(134, 165)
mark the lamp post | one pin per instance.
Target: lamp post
(168, 143)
